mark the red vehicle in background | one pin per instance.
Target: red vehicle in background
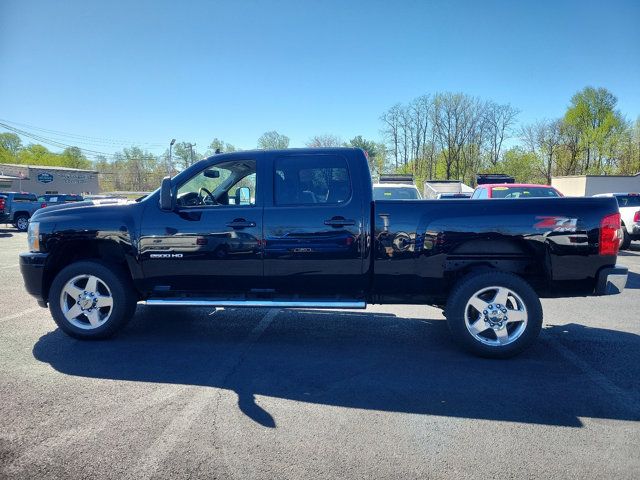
(514, 190)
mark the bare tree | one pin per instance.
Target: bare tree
(391, 131)
(420, 109)
(325, 140)
(500, 120)
(455, 118)
(544, 139)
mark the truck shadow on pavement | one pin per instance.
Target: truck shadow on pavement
(633, 281)
(366, 361)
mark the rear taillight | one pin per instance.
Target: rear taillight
(1, 203)
(636, 217)
(42, 205)
(609, 235)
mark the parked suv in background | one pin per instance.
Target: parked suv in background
(514, 190)
(17, 207)
(58, 198)
(629, 206)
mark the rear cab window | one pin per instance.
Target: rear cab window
(395, 193)
(628, 200)
(480, 193)
(523, 192)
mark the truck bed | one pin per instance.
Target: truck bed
(424, 245)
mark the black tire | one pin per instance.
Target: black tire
(122, 293)
(467, 287)
(21, 222)
(626, 239)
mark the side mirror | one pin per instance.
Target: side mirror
(243, 196)
(166, 196)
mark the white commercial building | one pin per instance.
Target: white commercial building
(40, 179)
(588, 185)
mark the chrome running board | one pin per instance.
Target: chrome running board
(190, 302)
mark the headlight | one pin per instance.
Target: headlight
(33, 237)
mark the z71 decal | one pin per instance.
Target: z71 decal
(556, 224)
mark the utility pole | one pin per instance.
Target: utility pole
(170, 166)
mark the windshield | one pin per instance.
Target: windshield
(628, 200)
(523, 192)
(395, 193)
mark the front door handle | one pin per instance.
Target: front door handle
(339, 222)
(240, 223)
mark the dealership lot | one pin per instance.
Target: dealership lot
(308, 393)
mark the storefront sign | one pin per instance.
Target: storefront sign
(45, 178)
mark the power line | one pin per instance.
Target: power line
(51, 142)
(89, 153)
(85, 138)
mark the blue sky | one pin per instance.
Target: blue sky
(149, 71)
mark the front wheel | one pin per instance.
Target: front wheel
(494, 314)
(90, 300)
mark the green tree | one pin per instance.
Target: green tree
(374, 151)
(593, 114)
(273, 141)
(73, 157)
(135, 169)
(10, 146)
(35, 154)
(524, 166)
(184, 155)
(221, 146)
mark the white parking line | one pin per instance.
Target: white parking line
(179, 426)
(20, 314)
(9, 266)
(65, 440)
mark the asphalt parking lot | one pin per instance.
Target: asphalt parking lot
(256, 393)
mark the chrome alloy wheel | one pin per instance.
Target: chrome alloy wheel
(86, 302)
(495, 316)
(22, 224)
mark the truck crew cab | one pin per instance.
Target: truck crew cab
(299, 228)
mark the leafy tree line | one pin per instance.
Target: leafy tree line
(13, 151)
(456, 136)
(440, 136)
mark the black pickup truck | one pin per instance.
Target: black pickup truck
(299, 228)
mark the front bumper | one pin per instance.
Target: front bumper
(32, 269)
(611, 280)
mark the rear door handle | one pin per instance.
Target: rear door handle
(240, 223)
(339, 222)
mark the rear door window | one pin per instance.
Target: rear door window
(311, 179)
(22, 197)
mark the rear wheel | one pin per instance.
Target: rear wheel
(22, 222)
(494, 314)
(90, 300)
